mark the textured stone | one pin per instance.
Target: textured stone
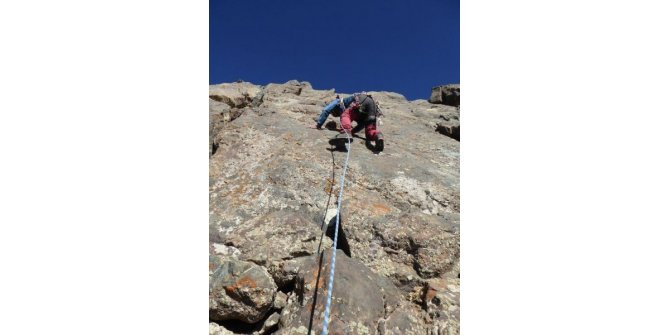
(360, 298)
(271, 322)
(451, 129)
(239, 290)
(234, 95)
(280, 300)
(275, 236)
(427, 244)
(442, 301)
(273, 182)
(404, 321)
(446, 94)
(215, 329)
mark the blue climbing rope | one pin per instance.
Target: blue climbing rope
(326, 316)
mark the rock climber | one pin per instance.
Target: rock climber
(336, 107)
(364, 111)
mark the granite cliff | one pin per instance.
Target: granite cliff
(274, 185)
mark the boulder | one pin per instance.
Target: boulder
(360, 300)
(239, 290)
(446, 94)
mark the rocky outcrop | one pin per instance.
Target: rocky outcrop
(446, 94)
(274, 185)
(450, 127)
(236, 95)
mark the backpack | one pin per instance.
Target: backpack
(378, 110)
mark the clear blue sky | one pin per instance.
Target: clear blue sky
(391, 45)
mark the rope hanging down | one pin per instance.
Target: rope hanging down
(326, 316)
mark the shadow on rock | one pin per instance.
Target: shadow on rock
(342, 243)
(338, 144)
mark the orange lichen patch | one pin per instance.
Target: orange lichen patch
(329, 186)
(242, 282)
(239, 190)
(246, 281)
(354, 204)
(322, 281)
(211, 266)
(380, 209)
(430, 294)
(311, 283)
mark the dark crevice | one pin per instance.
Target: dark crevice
(288, 287)
(272, 329)
(450, 131)
(241, 327)
(342, 242)
(311, 313)
(259, 262)
(299, 253)
(215, 147)
(417, 267)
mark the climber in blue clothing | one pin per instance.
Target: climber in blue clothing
(335, 107)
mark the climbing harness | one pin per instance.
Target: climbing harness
(324, 329)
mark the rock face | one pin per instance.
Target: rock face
(274, 185)
(446, 94)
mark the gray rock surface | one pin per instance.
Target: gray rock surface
(273, 181)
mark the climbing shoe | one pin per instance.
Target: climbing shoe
(379, 143)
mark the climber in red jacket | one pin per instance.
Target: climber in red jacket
(363, 110)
